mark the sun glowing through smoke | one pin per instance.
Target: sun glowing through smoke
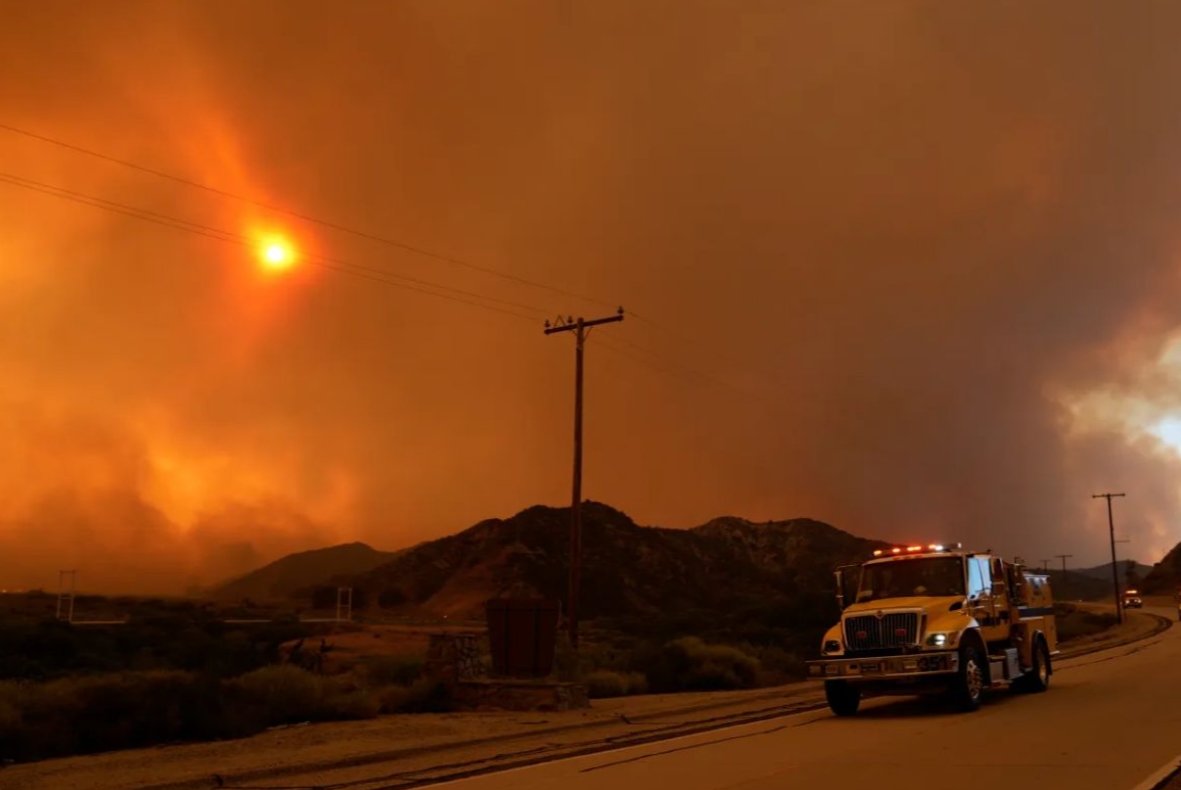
(277, 255)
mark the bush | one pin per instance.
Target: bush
(151, 640)
(134, 709)
(604, 683)
(777, 665)
(94, 714)
(340, 702)
(592, 658)
(425, 695)
(286, 694)
(566, 665)
(392, 670)
(688, 664)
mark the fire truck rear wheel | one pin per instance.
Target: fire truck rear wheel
(843, 697)
(1038, 678)
(967, 689)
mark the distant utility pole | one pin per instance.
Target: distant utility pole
(1119, 608)
(344, 604)
(1045, 566)
(65, 596)
(580, 327)
(1064, 558)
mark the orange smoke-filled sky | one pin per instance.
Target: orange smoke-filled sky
(907, 267)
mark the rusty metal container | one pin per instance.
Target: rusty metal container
(522, 634)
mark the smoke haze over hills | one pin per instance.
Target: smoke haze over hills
(924, 253)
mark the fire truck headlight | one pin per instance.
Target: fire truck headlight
(832, 646)
(941, 639)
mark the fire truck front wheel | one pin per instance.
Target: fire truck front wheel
(843, 697)
(967, 689)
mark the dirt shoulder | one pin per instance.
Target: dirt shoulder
(410, 750)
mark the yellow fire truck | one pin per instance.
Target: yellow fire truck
(937, 619)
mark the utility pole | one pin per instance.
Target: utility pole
(1119, 608)
(344, 604)
(65, 596)
(1045, 566)
(581, 328)
(1064, 558)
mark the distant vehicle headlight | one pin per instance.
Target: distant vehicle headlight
(941, 639)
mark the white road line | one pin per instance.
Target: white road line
(1161, 776)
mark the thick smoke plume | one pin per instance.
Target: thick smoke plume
(925, 255)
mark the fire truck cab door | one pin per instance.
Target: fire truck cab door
(1002, 596)
(981, 601)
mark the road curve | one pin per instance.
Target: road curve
(1109, 721)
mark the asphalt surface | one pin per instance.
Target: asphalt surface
(1109, 721)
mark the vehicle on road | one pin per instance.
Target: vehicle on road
(1132, 600)
(936, 619)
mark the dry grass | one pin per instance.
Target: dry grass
(1074, 623)
(603, 684)
(85, 715)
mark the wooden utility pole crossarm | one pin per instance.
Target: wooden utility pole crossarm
(580, 329)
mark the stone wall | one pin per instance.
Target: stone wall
(454, 658)
(523, 695)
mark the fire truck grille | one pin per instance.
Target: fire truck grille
(869, 632)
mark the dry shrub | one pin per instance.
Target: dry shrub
(604, 683)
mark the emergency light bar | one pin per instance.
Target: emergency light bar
(914, 549)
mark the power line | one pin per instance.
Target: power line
(326, 262)
(662, 365)
(708, 350)
(228, 236)
(354, 232)
(335, 264)
(660, 362)
(357, 233)
(676, 335)
(681, 371)
(301, 216)
(645, 362)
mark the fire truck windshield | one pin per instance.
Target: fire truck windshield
(921, 576)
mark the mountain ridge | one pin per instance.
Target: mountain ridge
(628, 569)
(292, 573)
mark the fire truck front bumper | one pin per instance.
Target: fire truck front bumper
(913, 665)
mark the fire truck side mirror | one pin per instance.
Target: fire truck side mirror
(847, 577)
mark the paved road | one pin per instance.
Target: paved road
(1109, 721)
